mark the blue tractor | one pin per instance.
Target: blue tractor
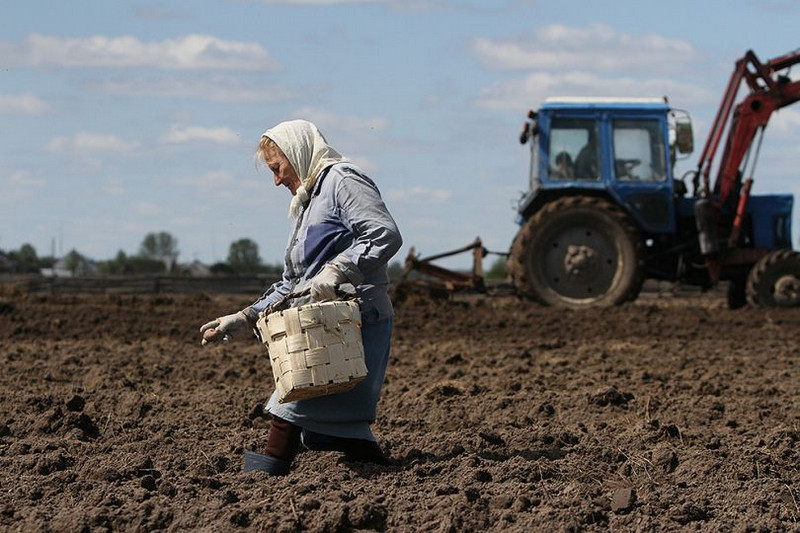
(605, 210)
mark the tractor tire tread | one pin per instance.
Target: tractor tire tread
(759, 275)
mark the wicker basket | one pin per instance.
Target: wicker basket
(314, 349)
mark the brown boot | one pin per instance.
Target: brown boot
(283, 443)
(283, 440)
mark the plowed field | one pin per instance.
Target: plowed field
(668, 414)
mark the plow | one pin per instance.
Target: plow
(422, 274)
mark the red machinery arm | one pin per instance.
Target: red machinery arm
(768, 93)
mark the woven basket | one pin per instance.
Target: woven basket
(314, 349)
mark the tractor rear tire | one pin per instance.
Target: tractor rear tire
(774, 281)
(578, 252)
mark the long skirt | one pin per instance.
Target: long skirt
(349, 414)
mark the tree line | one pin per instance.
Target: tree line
(157, 254)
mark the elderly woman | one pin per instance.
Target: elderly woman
(341, 233)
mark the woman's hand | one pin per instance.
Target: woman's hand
(323, 286)
(224, 328)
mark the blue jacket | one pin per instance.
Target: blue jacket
(346, 223)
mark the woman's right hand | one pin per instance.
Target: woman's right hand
(224, 328)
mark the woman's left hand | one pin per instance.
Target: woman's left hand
(323, 286)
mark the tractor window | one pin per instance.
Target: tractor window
(573, 150)
(639, 151)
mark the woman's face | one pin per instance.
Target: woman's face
(281, 168)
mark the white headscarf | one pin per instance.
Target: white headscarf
(309, 154)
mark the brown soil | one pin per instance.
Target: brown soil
(668, 414)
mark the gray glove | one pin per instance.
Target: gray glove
(323, 286)
(224, 328)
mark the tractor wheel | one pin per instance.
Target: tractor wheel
(774, 281)
(578, 252)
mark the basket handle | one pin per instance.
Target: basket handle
(345, 291)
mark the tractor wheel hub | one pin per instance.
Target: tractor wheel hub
(787, 290)
(579, 260)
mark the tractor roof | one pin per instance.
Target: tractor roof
(604, 101)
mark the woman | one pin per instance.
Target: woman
(341, 233)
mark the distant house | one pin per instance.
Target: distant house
(62, 267)
(195, 269)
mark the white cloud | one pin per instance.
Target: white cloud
(785, 122)
(209, 180)
(22, 104)
(24, 178)
(531, 91)
(19, 185)
(221, 189)
(346, 124)
(83, 143)
(217, 88)
(364, 163)
(597, 48)
(419, 193)
(355, 137)
(190, 134)
(190, 52)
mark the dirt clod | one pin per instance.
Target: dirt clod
(76, 403)
(623, 499)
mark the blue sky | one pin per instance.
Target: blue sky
(128, 117)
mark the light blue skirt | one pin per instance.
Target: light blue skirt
(349, 414)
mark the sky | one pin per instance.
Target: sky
(123, 118)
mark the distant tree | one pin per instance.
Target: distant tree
(46, 262)
(120, 262)
(160, 246)
(222, 269)
(26, 258)
(243, 256)
(7, 263)
(73, 261)
(498, 269)
(118, 265)
(143, 265)
(27, 255)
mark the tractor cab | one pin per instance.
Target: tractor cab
(621, 149)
